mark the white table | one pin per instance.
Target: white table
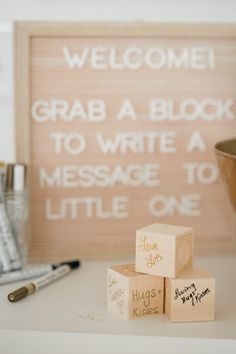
(77, 304)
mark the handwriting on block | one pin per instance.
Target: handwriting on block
(191, 297)
(164, 250)
(134, 295)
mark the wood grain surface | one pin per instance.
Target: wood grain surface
(43, 74)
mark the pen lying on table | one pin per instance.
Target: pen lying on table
(43, 281)
(30, 272)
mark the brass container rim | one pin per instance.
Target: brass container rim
(219, 149)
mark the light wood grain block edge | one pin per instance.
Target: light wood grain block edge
(164, 250)
(191, 297)
(132, 295)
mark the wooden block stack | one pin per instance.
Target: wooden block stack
(162, 279)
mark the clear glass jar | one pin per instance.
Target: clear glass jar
(18, 214)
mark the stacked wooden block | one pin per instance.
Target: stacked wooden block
(162, 279)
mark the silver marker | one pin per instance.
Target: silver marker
(4, 259)
(16, 201)
(41, 282)
(32, 272)
(8, 244)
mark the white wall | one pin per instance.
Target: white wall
(7, 127)
(124, 10)
(217, 11)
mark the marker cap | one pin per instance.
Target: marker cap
(75, 263)
(10, 177)
(19, 178)
(21, 292)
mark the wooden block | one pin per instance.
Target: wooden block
(191, 297)
(134, 295)
(164, 250)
